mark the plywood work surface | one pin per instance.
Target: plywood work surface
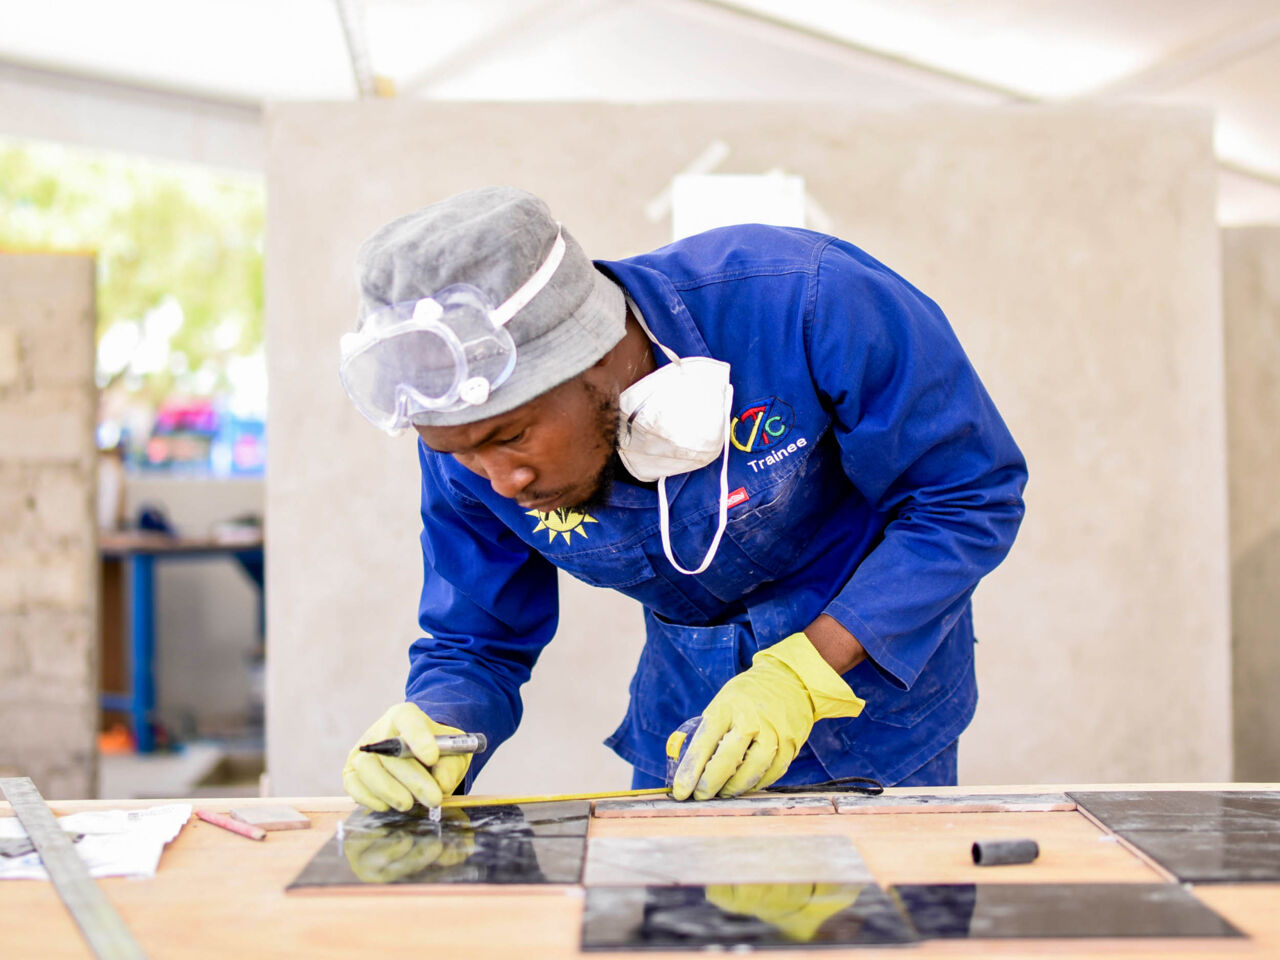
(218, 895)
(933, 847)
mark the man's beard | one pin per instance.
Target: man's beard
(606, 433)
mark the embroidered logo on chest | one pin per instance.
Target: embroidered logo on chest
(762, 425)
(762, 428)
(562, 521)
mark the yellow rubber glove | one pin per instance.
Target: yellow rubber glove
(754, 727)
(797, 910)
(386, 854)
(383, 782)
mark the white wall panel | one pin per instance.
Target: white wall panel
(1251, 284)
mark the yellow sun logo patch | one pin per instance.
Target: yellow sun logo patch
(562, 521)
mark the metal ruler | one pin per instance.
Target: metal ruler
(99, 923)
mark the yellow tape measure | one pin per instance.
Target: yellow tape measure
(481, 801)
(675, 743)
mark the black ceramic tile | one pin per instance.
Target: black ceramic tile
(524, 844)
(1214, 811)
(562, 819)
(1199, 836)
(740, 917)
(993, 911)
(1202, 857)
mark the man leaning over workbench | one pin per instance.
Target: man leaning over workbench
(765, 436)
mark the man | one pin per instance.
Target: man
(765, 436)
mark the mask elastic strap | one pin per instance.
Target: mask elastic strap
(664, 518)
(531, 287)
(635, 311)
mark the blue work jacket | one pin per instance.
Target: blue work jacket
(870, 478)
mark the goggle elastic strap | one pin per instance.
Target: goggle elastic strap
(531, 287)
(428, 315)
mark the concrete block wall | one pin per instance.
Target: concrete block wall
(48, 528)
(1251, 309)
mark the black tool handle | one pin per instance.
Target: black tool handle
(994, 853)
(864, 785)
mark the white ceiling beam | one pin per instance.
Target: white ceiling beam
(537, 18)
(1237, 44)
(1253, 173)
(156, 88)
(847, 44)
(351, 14)
(1196, 60)
(110, 115)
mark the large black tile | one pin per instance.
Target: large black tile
(524, 844)
(554, 819)
(993, 911)
(740, 917)
(1202, 857)
(1215, 811)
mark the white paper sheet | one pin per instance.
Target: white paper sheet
(116, 843)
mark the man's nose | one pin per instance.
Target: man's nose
(507, 479)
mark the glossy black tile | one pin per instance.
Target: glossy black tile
(1214, 811)
(993, 911)
(1202, 857)
(1200, 836)
(518, 844)
(557, 819)
(741, 917)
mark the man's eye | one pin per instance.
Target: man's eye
(516, 438)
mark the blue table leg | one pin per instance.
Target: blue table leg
(142, 636)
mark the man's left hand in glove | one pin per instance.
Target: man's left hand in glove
(754, 727)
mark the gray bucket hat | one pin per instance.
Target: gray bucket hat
(494, 239)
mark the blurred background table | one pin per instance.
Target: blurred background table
(129, 558)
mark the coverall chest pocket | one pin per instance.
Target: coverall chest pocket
(615, 567)
(788, 507)
(683, 667)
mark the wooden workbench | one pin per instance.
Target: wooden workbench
(218, 895)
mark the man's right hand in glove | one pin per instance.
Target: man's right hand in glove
(797, 910)
(388, 854)
(381, 783)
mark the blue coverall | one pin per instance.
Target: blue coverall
(870, 478)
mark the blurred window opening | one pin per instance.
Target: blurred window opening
(180, 360)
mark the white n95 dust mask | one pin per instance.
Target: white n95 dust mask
(673, 421)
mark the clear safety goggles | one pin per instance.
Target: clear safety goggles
(448, 351)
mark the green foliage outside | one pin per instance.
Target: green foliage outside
(161, 233)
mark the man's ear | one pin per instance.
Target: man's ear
(608, 357)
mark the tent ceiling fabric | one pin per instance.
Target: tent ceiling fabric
(1225, 55)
